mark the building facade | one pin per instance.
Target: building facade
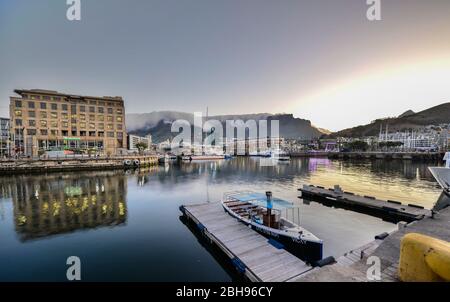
(133, 140)
(45, 120)
(4, 137)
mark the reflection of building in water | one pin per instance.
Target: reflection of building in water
(53, 205)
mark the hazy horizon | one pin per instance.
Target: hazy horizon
(320, 60)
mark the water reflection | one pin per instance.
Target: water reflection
(57, 204)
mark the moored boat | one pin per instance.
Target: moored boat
(263, 214)
(280, 156)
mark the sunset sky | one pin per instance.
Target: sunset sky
(319, 59)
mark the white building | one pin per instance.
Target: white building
(133, 140)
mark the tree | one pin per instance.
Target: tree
(357, 146)
(141, 146)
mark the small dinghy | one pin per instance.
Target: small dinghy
(262, 213)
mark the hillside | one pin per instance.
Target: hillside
(409, 120)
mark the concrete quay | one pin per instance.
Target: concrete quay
(19, 166)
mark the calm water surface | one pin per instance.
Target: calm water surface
(125, 226)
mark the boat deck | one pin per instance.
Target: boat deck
(251, 253)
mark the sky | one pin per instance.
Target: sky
(321, 60)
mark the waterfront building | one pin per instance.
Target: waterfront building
(133, 140)
(4, 136)
(427, 138)
(47, 120)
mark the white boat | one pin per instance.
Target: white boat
(262, 213)
(280, 156)
(442, 174)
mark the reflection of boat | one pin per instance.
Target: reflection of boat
(203, 157)
(442, 174)
(263, 214)
(280, 155)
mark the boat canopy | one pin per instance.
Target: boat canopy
(260, 200)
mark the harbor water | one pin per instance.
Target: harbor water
(126, 226)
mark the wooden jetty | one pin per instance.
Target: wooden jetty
(386, 208)
(259, 259)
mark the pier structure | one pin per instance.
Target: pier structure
(417, 156)
(73, 163)
(390, 209)
(256, 257)
(353, 266)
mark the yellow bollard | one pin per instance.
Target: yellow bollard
(424, 259)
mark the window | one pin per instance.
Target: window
(101, 110)
(93, 102)
(91, 125)
(19, 122)
(110, 104)
(101, 134)
(119, 119)
(43, 114)
(119, 127)
(101, 118)
(110, 134)
(44, 132)
(31, 114)
(64, 116)
(54, 106)
(64, 107)
(101, 103)
(92, 109)
(56, 98)
(18, 104)
(31, 105)
(54, 124)
(110, 127)
(47, 98)
(82, 108)
(73, 108)
(92, 133)
(82, 125)
(32, 123)
(43, 123)
(110, 111)
(54, 132)
(92, 117)
(82, 133)
(119, 111)
(110, 119)
(18, 112)
(119, 135)
(54, 115)
(31, 131)
(44, 106)
(65, 124)
(82, 117)
(101, 126)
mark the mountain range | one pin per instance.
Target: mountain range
(409, 120)
(159, 123)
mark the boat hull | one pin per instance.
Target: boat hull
(442, 176)
(308, 251)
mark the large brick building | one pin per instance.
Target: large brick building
(45, 120)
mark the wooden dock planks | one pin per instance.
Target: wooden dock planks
(390, 208)
(261, 260)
